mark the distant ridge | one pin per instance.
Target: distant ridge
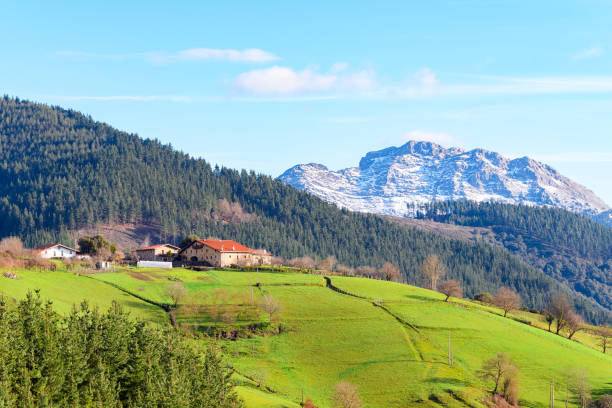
(387, 181)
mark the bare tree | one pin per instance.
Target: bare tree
(12, 246)
(346, 395)
(271, 305)
(507, 300)
(510, 385)
(176, 292)
(345, 270)
(605, 401)
(605, 334)
(366, 271)
(327, 264)
(278, 261)
(550, 319)
(579, 386)
(559, 308)
(574, 323)
(433, 269)
(500, 371)
(450, 288)
(304, 262)
(389, 272)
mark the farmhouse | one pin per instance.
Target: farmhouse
(56, 251)
(223, 253)
(159, 252)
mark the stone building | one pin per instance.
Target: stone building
(223, 253)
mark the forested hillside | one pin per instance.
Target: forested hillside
(62, 170)
(571, 248)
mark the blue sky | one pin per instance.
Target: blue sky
(265, 86)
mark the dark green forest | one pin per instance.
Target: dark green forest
(94, 359)
(571, 248)
(62, 170)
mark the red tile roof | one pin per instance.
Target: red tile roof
(42, 248)
(225, 245)
(157, 246)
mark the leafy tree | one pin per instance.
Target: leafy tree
(185, 242)
(89, 358)
(96, 245)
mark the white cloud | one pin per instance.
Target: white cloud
(248, 55)
(284, 81)
(592, 52)
(489, 86)
(426, 136)
(253, 55)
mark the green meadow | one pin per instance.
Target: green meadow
(391, 340)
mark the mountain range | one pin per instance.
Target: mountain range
(396, 180)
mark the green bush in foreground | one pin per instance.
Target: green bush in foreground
(92, 359)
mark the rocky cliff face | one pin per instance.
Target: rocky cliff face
(388, 180)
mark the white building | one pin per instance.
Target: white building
(56, 251)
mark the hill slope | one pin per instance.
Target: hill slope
(64, 172)
(420, 172)
(571, 248)
(396, 354)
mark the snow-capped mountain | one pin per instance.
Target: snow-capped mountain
(386, 181)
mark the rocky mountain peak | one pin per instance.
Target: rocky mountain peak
(387, 180)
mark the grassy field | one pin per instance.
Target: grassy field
(66, 289)
(391, 342)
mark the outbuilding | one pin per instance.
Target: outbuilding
(159, 252)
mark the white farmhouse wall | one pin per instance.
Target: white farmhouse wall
(57, 252)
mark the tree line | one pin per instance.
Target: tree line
(65, 171)
(569, 247)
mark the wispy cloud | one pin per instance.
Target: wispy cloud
(575, 157)
(250, 55)
(188, 99)
(427, 136)
(128, 98)
(591, 52)
(278, 80)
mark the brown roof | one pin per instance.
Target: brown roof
(157, 246)
(42, 248)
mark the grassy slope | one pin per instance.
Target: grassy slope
(477, 334)
(66, 289)
(335, 337)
